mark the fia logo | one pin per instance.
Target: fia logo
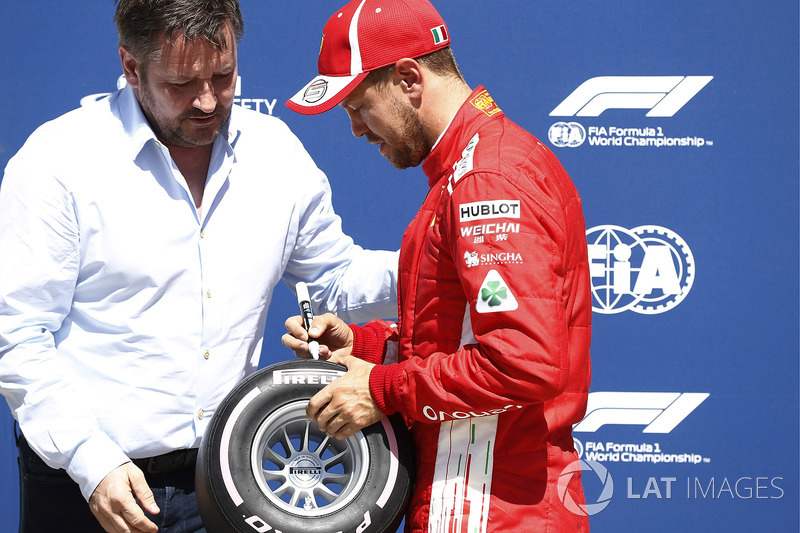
(648, 270)
(566, 134)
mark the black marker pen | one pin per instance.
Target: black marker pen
(304, 300)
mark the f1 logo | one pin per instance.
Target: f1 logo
(662, 95)
(660, 412)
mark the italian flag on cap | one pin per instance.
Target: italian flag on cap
(439, 34)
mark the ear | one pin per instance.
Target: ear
(130, 67)
(408, 74)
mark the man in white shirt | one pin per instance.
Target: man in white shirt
(142, 239)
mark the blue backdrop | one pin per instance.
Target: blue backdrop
(678, 122)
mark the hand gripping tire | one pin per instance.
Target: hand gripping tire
(263, 466)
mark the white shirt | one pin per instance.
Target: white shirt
(126, 316)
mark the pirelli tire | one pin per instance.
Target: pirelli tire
(263, 466)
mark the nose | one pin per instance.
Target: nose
(357, 124)
(206, 100)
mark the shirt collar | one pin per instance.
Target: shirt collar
(133, 120)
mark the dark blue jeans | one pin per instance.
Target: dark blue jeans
(51, 501)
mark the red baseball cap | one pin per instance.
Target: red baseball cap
(365, 35)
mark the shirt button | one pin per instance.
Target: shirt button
(202, 234)
(201, 414)
(208, 294)
(206, 355)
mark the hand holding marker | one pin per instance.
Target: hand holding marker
(308, 315)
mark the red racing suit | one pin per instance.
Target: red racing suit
(493, 333)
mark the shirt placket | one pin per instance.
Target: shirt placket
(211, 249)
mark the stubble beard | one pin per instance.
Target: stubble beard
(410, 146)
(171, 131)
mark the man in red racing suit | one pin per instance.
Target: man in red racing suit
(494, 331)
(492, 343)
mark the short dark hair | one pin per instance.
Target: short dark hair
(441, 62)
(139, 22)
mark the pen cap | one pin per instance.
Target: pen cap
(302, 292)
